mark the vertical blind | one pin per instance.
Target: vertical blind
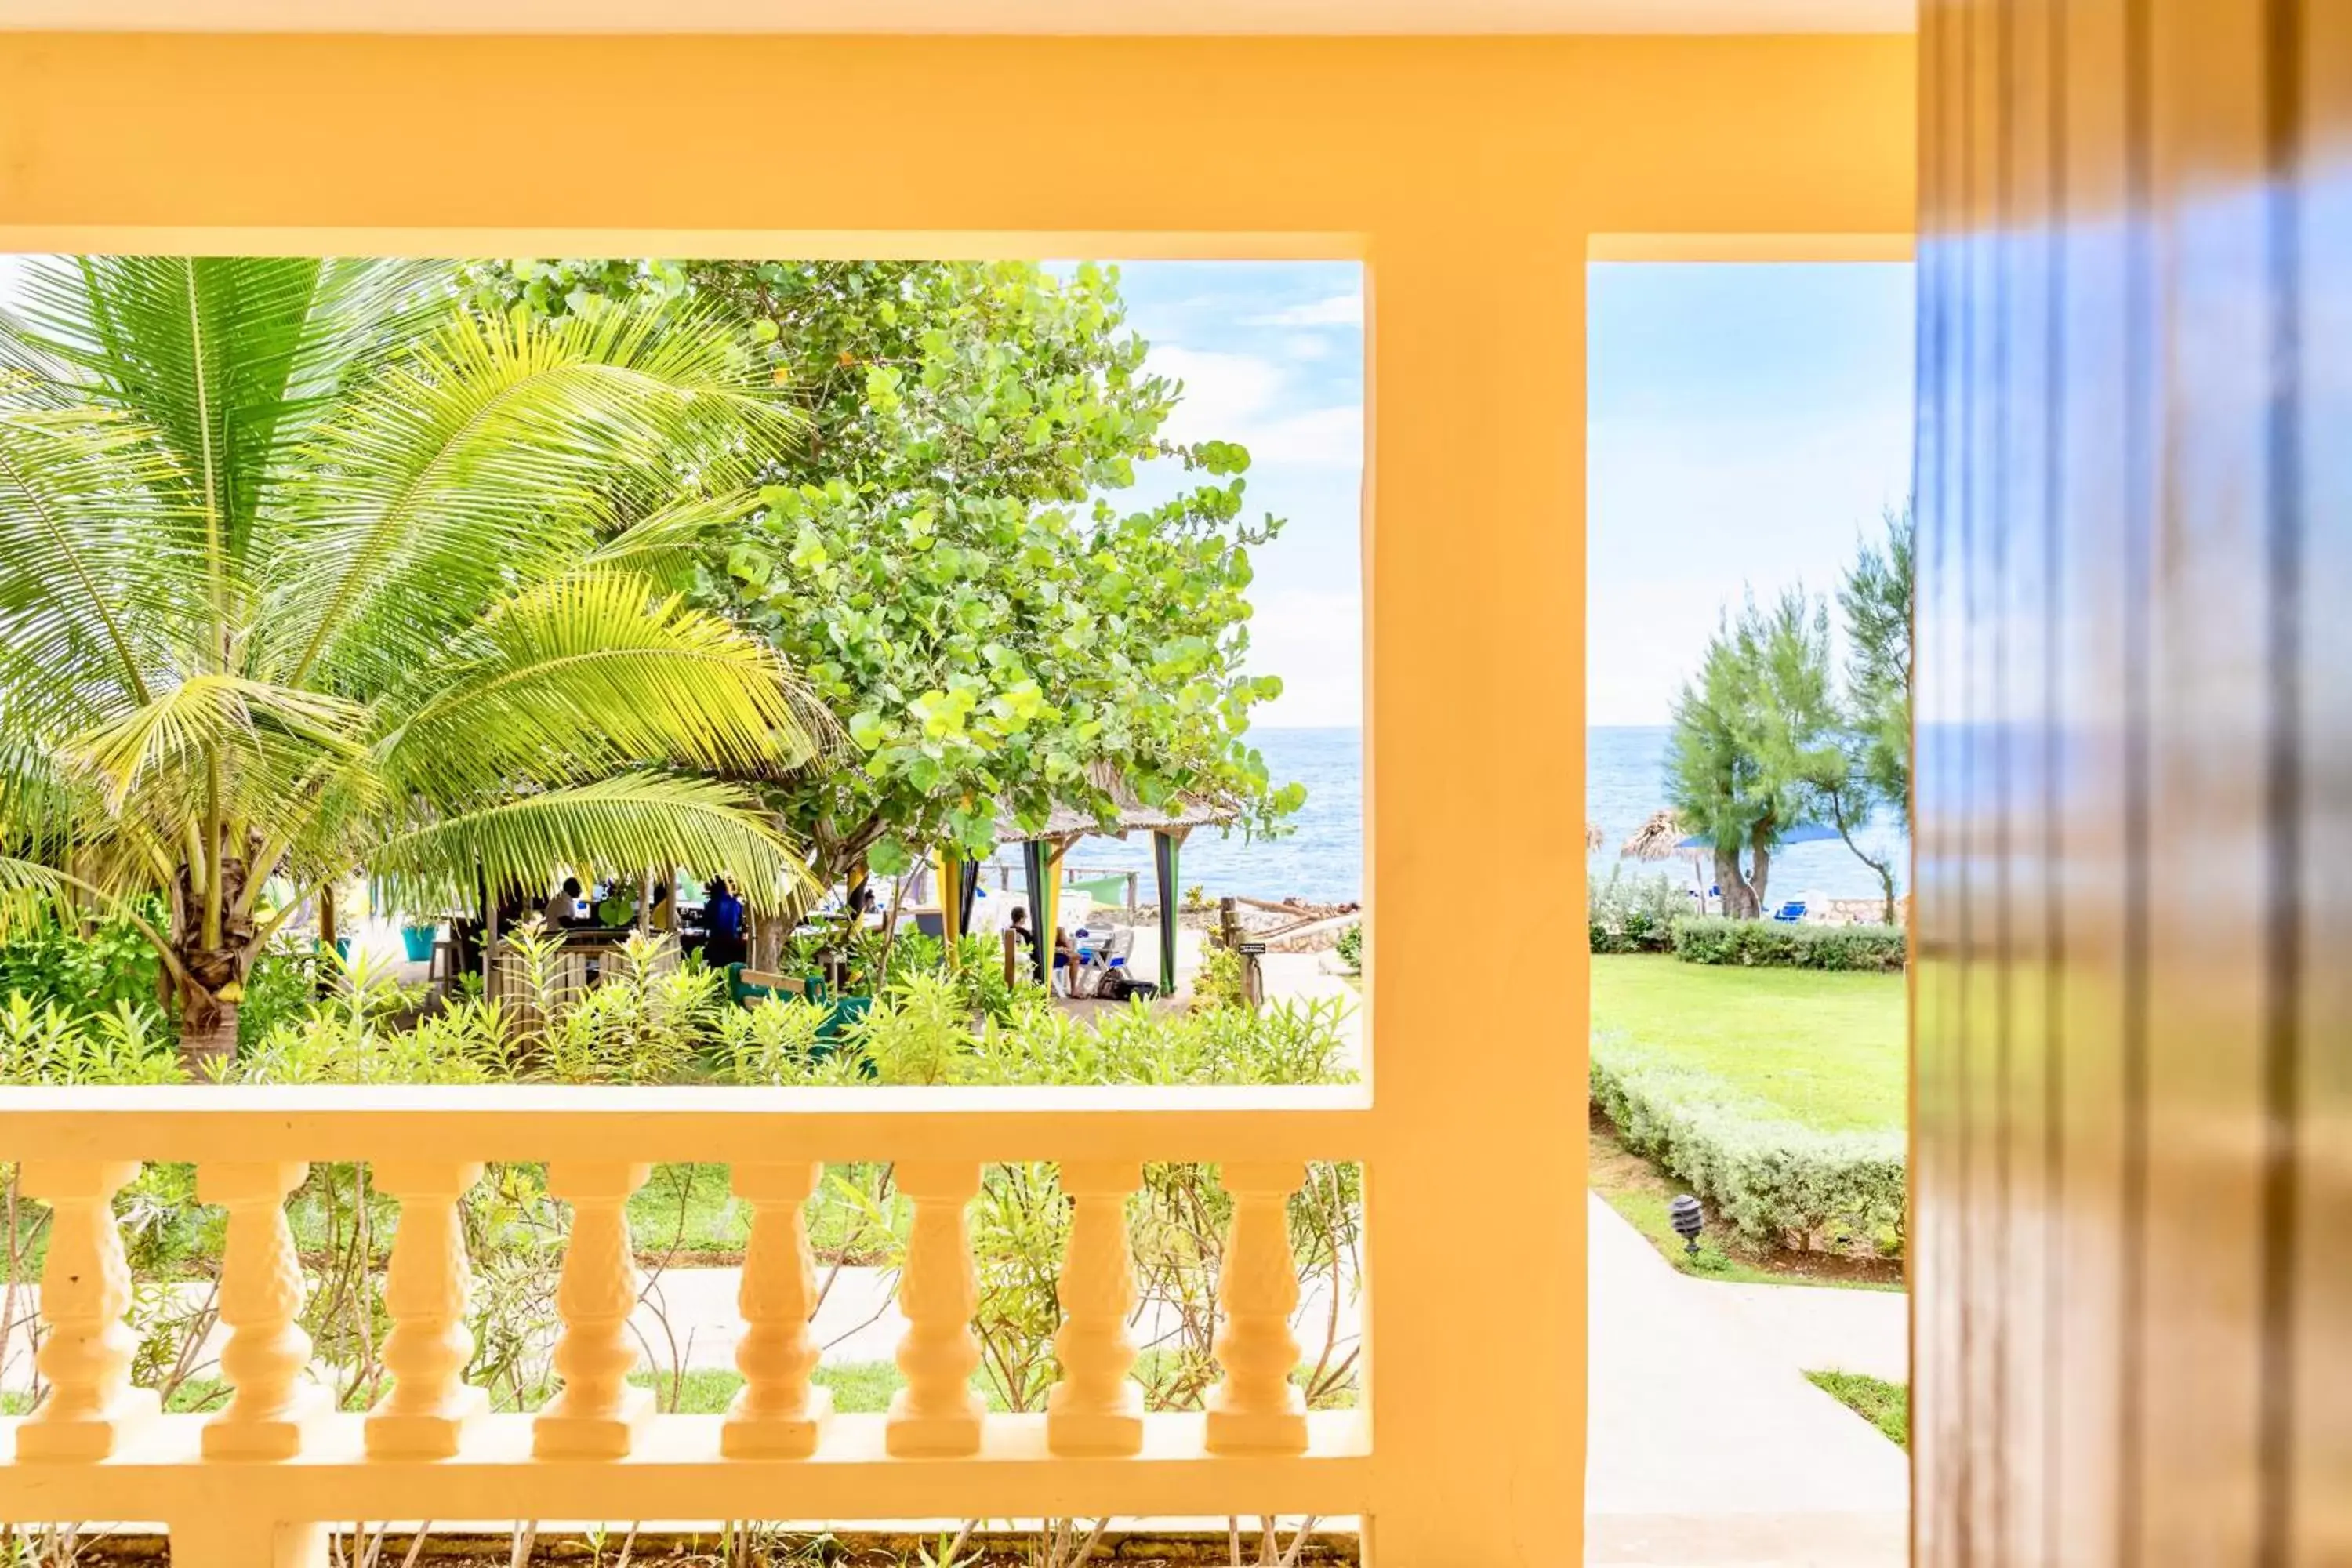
(2133, 776)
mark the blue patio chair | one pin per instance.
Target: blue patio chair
(1790, 912)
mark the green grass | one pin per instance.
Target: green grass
(1826, 1049)
(1886, 1405)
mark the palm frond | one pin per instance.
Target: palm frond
(669, 536)
(627, 822)
(90, 566)
(498, 452)
(28, 888)
(197, 727)
(597, 672)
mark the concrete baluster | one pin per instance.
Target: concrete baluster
(1095, 1408)
(937, 1415)
(1257, 1409)
(598, 1413)
(274, 1406)
(90, 1410)
(778, 1414)
(426, 1291)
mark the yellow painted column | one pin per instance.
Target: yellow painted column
(1475, 616)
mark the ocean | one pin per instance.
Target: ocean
(1322, 857)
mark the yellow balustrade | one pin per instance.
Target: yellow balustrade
(259, 1481)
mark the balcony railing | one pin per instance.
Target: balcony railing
(256, 1481)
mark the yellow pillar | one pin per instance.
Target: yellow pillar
(1474, 536)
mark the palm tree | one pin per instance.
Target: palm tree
(302, 569)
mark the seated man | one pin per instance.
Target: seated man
(562, 906)
(1018, 942)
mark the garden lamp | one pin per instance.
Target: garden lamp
(1689, 1220)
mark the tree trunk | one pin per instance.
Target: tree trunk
(211, 981)
(1757, 882)
(208, 1032)
(1739, 903)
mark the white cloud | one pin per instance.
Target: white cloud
(1314, 639)
(1334, 311)
(1222, 392)
(1243, 397)
(1320, 437)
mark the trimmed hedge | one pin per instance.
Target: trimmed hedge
(1782, 944)
(1777, 1183)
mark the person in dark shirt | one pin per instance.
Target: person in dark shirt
(726, 916)
(1018, 942)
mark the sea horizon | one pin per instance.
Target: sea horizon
(1321, 857)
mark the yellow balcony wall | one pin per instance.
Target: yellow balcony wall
(1474, 178)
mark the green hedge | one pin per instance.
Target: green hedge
(1777, 1183)
(1783, 944)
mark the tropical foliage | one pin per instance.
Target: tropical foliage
(1876, 600)
(1764, 741)
(301, 568)
(1753, 737)
(941, 559)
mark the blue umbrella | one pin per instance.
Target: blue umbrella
(1808, 833)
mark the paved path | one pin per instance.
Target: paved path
(1708, 1448)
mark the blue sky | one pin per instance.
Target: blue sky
(1748, 422)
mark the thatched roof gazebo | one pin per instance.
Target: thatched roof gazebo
(1043, 845)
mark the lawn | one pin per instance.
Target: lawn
(1886, 1405)
(1827, 1049)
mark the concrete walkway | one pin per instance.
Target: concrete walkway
(1708, 1448)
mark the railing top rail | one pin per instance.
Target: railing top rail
(525, 1121)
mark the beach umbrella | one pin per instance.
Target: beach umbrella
(1804, 833)
(1660, 839)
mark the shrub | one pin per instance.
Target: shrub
(1777, 1183)
(108, 966)
(1785, 944)
(1350, 947)
(1633, 914)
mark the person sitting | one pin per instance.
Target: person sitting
(1065, 959)
(661, 915)
(563, 905)
(1017, 937)
(726, 916)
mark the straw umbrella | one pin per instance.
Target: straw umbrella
(1592, 838)
(1660, 839)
